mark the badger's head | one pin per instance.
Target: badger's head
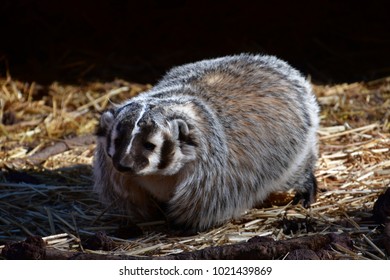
(144, 139)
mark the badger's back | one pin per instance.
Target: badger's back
(260, 94)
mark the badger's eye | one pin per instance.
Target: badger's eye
(149, 146)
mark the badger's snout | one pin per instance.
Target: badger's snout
(129, 163)
(122, 168)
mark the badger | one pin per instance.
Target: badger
(209, 141)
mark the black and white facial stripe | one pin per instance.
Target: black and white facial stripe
(126, 128)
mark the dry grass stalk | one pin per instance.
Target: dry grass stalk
(54, 199)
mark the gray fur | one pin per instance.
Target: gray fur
(210, 140)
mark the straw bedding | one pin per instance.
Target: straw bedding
(47, 146)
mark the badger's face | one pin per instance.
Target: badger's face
(141, 140)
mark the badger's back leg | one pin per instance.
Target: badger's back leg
(307, 192)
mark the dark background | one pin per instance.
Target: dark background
(78, 41)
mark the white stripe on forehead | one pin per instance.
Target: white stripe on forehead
(114, 132)
(136, 128)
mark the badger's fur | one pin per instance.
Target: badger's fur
(210, 140)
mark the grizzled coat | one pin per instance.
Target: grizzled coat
(210, 140)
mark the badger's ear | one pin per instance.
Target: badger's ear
(106, 120)
(181, 132)
(179, 129)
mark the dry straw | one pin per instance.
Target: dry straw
(53, 199)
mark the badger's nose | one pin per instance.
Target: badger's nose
(122, 168)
